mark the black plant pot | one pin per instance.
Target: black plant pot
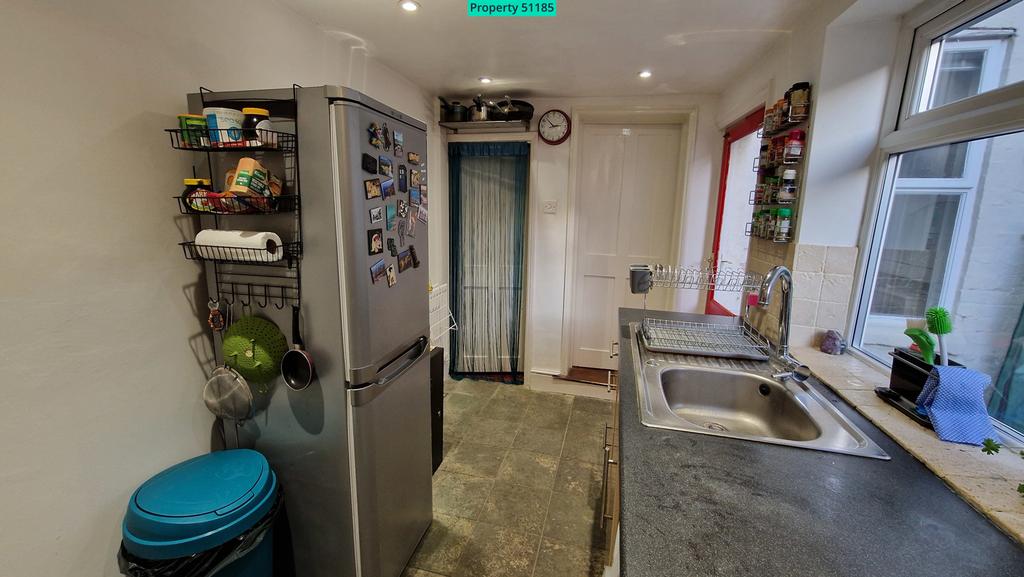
(907, 380)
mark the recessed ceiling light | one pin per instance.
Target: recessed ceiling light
(409, 5)
(645, 74)
(486, 80)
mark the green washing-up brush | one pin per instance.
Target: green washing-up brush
(940, 323)
(924, 341)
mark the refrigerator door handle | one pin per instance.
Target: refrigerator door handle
(413, 354)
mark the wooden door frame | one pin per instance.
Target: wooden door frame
(737, 130)
(685, 117)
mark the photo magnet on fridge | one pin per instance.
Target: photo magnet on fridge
(369, 163)
(412, 221)
(377, 271)
(392, 277)
(376, 136)
(388, 188)
(414, 195)
(372, 187)
(423, 195)
(403, 178)
(387, 136)
(414, 178)
(391, 214)
(414, 158)
(385, 166)
(392, 249)
(375, 241)
(399, 144)
(376, 215)
(422, 214)
(403, 209)
(415, 259)
(403, 227)
(404, 261)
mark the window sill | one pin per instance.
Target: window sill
(988, 483)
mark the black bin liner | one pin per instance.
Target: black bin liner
(201, 564)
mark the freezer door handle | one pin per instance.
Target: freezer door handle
(410, 357)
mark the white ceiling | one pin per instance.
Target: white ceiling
(592, 48)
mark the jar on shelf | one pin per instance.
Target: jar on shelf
(800, 100)
(783, 224)
(787, 188)
(793, 149)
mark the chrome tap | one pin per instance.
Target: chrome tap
(764, 297)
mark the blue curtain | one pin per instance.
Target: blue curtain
(487, 187)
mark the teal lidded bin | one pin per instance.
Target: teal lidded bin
(202, 504)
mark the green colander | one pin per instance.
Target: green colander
(254, 346)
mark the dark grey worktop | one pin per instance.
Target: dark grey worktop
(696, 505)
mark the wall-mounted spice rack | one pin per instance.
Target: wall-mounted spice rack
(780, 166)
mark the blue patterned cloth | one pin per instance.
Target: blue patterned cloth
(954, 400)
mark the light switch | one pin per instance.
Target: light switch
(550, 206)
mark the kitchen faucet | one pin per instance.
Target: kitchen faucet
(764, 297)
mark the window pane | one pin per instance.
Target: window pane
(957, 241)
(937, 162)
(979, 56)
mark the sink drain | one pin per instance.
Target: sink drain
(715, 427)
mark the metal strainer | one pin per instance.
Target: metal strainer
(228, 396)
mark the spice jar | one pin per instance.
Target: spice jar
(787, 190)
(800, 100)
(783, 223)
(794, 146)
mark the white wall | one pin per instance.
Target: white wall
(97, 304)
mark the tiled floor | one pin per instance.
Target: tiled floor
(518, 494)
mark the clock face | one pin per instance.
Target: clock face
(554, 127)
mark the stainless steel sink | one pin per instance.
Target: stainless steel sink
(740, 399)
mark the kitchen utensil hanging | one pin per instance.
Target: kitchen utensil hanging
(297, 364)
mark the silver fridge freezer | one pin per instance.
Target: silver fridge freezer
(353, 450)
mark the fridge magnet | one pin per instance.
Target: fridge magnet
(376, 215)
(412, 221)
(392, 277)
(421, 214)
(403, 178)
(414, 178)
(387, 136)
(423, 195)
(414, 158)
(377, 271)
(414, 195)
(376, 136)
(403, 228)
(392, 249)
(375, 241)
(399, 144)
(385, 166)
(391, 213)
(404, 261)
(388, 188)
(369, 163)
(372, 187)
(403, 209)
(415, 259)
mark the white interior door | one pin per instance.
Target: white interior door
(625, 212)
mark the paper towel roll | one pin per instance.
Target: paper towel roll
(244, 245)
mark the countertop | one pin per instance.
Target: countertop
(695, 505)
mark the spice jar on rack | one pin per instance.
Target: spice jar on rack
(793, 149)
(787, 189)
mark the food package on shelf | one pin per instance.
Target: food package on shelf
(251, 185)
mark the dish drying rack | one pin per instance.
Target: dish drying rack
(729, 339)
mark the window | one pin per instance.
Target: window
(948, 227)
(968, 60)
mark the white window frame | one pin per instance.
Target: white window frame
(996, 112)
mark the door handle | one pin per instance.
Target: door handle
(410, 357)
(613, 350)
